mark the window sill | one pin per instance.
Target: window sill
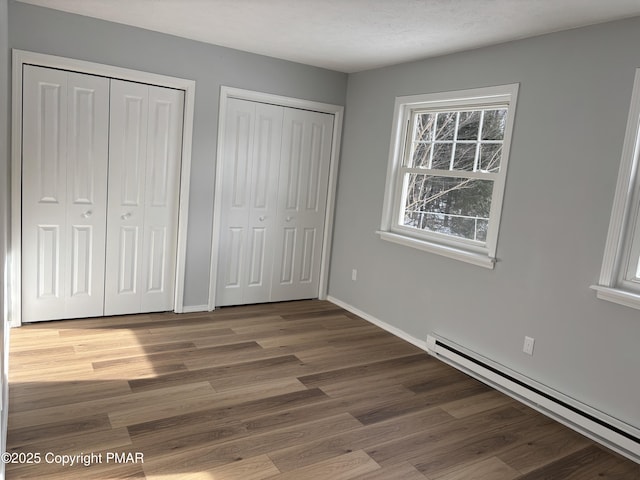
(474, 258)
(615, 295)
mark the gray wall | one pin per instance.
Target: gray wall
(575, 89)
(52, 32)
(4, 187)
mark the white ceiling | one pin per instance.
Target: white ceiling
(352, 35)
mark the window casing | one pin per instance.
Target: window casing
(620, 274)
(446, 174)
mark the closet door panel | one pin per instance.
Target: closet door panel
(164, 149)
(125, 217)
(44, 199)
(249, 208)
(302, 199)
(144, 182)
(65, 119)
(263, 203)
(87, 161)
(239, 132)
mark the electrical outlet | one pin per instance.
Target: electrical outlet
(528, 345)
(354, 274)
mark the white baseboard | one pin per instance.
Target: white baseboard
(195, 308)
(385, 326)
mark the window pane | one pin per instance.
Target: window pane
(469, 125)
(490, 155)
(451, 206)
(442, 156)
(424, 126)
(421, 154)
(493, 124)
(445, 126)
(465, 156)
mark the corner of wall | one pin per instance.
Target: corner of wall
(4, 205)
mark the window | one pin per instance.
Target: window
(620, 275)
(447, 167)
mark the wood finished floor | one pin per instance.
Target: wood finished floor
(300, 390)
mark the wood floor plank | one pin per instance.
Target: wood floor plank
(363, 370)
(551, 443)
(184, 455)
(174, 357)
(302, 390)
(27, 435)
(219, 414)
(332, 357)
(239, 356)
(589, 463)
(64, 472)
(479, 446)
(397, 407)
(304, 337)
(490, 468)
(153, 338)
(117, 352)
(37, 395)
(89, 451)
(269, 368)
(255, 468)
(229, 402)
(400, 471)
(357, 439)
(82, 442)
(106, 404)
(342, 467)
(422, 444)
(474, 404)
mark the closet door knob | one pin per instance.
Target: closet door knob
(124, 216)
(87, 214)
(288, 219)
(262, 218)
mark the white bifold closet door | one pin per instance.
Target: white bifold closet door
(100, 169)
(276, 172)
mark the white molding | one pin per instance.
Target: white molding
(463, 98)
(194, 309)
(338, 112)
(385, 326)
(615, 295)
(21, 58)
(480, 259)
(185, 188)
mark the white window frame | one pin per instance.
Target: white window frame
(623, 237)
(475, 252)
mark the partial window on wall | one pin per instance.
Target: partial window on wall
(447, 169)
(620, 274)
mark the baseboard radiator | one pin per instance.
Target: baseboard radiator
(598, 426)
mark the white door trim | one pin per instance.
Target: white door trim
(338, 112)
(21, 57)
